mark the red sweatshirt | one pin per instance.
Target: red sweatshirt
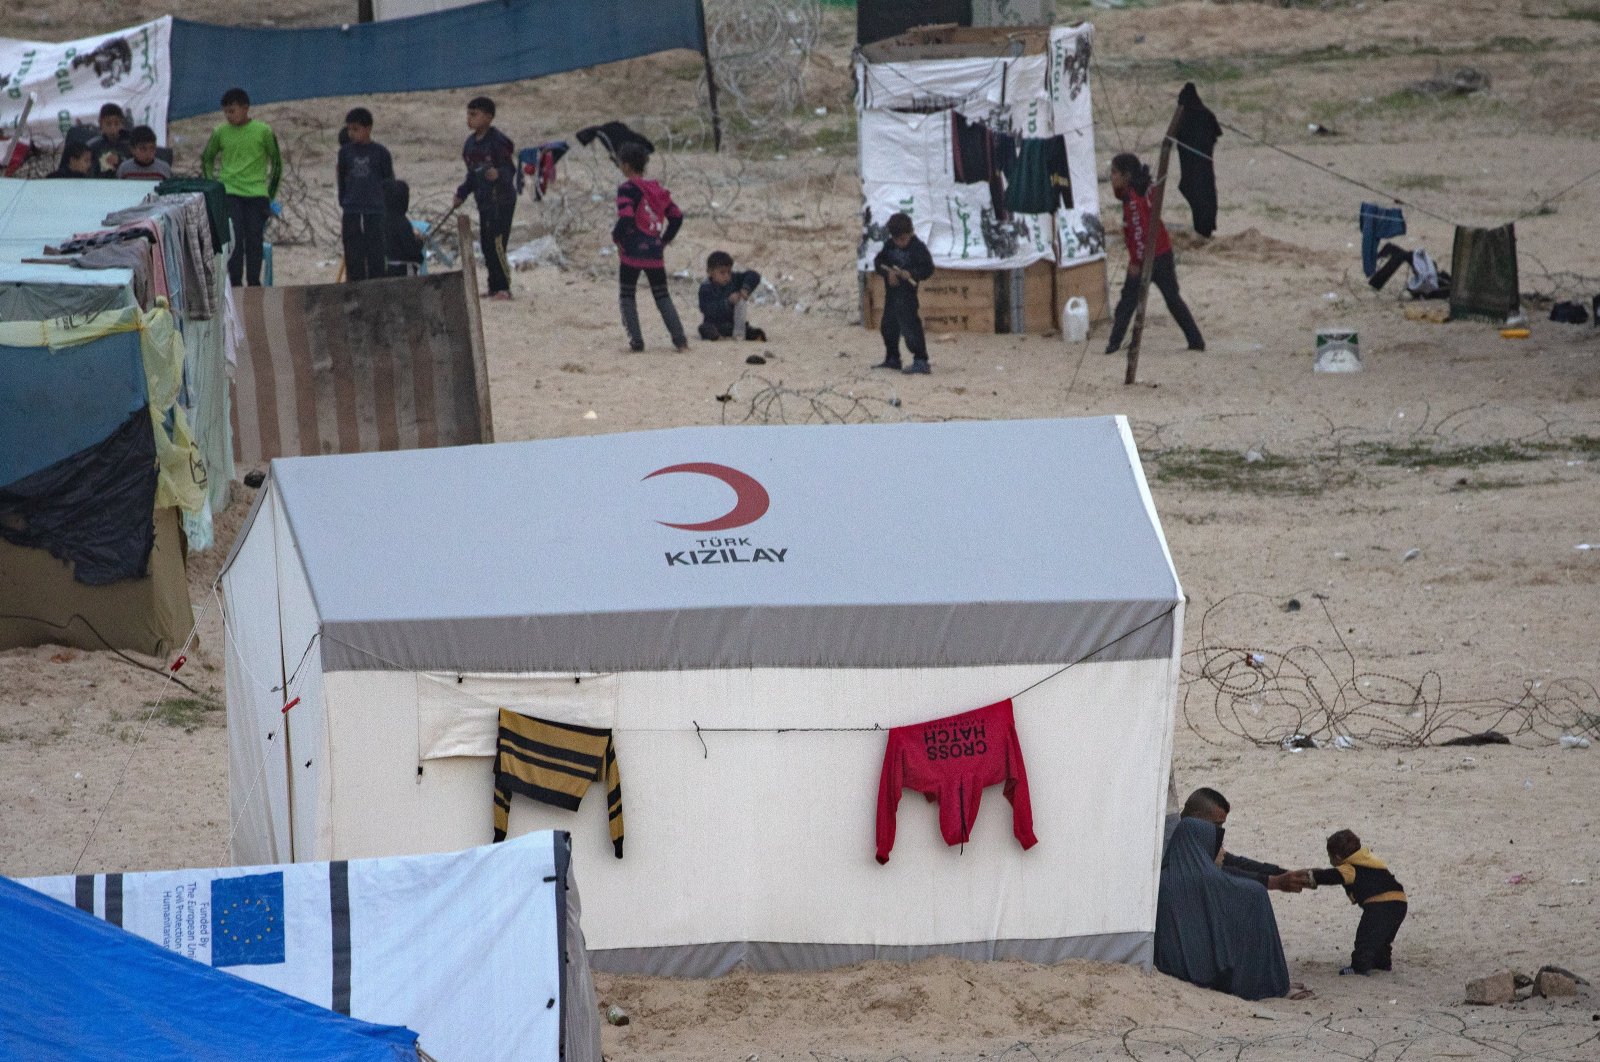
(953, 760)
(1136, 211)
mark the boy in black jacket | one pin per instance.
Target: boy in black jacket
(402, 247)
(491, 161)
(903, 263)
(1367, 881)
(364, 165)
(721, 294)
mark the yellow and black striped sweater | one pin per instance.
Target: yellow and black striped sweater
(1365, 877)
(553, 763)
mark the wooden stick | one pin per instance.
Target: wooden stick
(1147, 267)
(480, 361)
(711, 80)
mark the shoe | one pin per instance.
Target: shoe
(755, 335)
(636, 345)
(501, 296)
(1348, 970)
(680, 345)
(917, 368)
(890, 363)
(1113, 350)
(1197, 346)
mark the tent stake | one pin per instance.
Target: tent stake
(1147, 267)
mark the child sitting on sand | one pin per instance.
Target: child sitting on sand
(1368, 882)
(724, 299)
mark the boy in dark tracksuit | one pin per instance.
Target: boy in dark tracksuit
(491, 161)
(402, 247)
(903, 263)
(720, 293)
(364, 165)
(1367, 881)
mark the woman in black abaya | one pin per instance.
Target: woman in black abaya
(1215, 929)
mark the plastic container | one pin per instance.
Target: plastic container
(1075, 320)
(1338, 350)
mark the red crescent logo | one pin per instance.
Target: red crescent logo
(752, 497)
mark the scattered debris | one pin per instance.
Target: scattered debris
(1574, 741)
(66, 656)
(1518, 879)
(1464, 82)
(1343, 741)
(1488, 737)
(254, 478)
(591, 415)
(1553, 981)
(1493, 990)
(755, 359)
(1411, 554)
(1292, 605)
(542, 251)
(615, 1015)
(1317, 129)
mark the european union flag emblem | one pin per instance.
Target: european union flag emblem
(247, 920)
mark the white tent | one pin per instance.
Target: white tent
(480, 952)
(745, 658)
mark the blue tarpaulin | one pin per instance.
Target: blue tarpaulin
(73, 987)
(483, 44)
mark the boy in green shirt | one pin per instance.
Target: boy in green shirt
(250, 171)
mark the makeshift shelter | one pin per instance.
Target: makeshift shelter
(174, 68)
(985, 137)
(73, 987)
(744, 610)
(111, 450)
(344, 368)
(480, 951)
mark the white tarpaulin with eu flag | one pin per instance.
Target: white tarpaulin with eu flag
(468, 948)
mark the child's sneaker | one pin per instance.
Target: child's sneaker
(892, 364)
(1349, 970)
(917, 368)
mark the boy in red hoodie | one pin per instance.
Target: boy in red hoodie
(647, 220)
(1130, 182)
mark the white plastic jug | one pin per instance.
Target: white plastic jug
(1075, 320)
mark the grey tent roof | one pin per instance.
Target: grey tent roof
(882, 545)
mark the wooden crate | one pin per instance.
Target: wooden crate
(990, 300)
(952, 300)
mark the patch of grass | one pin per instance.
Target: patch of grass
(1208, 70)
(1581, 14)
(1428, 455)
(1210, 469)
(1516, 44)
(7, 734)
(187, 713)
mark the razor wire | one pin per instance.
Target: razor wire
(1305, 697)
(760, 50)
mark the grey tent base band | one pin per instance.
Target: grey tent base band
(715, 960)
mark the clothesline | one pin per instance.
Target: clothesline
(699, 730)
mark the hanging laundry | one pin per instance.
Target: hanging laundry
(1038, 180)
(1483, 264)
(553, 763)
(1378, 223)
(539, 165)
(612, 135)
(952, 760)
(1197, 135)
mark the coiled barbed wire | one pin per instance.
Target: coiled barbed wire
(1305, 697)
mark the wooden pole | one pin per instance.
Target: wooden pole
(1147, 267)
(711, 80)
(480, 360)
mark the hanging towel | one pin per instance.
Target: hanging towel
(1483, 269)
(553, 763)
(1378, 224)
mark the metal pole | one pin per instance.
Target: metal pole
(711, 79)
(1147, 267)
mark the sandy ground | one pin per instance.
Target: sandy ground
(1481, 454)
